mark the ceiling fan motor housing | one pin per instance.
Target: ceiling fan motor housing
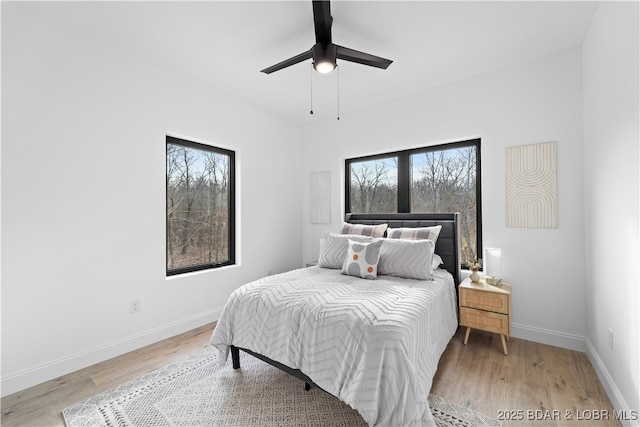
(324, 56)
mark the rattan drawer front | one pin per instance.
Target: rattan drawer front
(485, 320)
(485, 300)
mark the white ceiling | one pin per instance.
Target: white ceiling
(226, 44)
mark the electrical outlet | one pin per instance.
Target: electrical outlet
(611, 338)
(134, 306)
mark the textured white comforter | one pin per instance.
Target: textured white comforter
(374, 344)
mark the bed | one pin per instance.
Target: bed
(374, 344)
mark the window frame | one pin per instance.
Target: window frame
(404, 178)
(231, 223)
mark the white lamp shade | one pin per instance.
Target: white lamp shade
(493, 262)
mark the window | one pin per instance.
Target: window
(200, 206)
(438, 179)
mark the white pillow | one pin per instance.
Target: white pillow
(410, 259)
(437, 261)
(362, 259)
(333, 248)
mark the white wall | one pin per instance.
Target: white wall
(611, 159)
(536, 102)
(83, 199)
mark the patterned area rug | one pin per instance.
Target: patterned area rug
(196, 391)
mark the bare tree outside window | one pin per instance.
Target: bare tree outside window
(445, 181)
(200, 230)
(374, 186)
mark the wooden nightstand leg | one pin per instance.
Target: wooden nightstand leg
(504, 344)
(466, 336)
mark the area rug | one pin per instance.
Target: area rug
(197, 391)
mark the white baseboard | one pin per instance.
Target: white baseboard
(30, 377)
(545, 336)
(617, 399)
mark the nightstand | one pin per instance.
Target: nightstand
(487, 308)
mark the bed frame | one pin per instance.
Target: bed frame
(447, 246)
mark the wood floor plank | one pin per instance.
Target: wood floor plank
(534, 377)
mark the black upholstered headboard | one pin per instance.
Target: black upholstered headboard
(447, 245)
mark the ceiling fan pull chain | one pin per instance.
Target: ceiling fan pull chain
(311, 86)
(338, 91)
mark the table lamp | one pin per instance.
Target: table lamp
(493, 266)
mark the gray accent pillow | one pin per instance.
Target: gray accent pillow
(410, 259)
(364, 230)
(430, 233)
(333, 248)
(362, 259)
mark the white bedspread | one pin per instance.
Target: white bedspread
(374, 344)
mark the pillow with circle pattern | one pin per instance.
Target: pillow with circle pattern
(362, 259)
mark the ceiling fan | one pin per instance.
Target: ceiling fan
(325, 52)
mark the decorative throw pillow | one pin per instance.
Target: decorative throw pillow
(410, 259)
(364, 230)
(333, 248)
(417, 233)
(362, 259)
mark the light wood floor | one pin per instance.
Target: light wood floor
(533, 381)
(42, 405)
(533, 377)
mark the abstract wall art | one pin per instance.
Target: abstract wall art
(531, 186)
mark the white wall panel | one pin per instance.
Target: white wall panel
(612, 215)
(83, 198)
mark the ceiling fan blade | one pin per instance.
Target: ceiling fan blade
(288, 62)
(322, 21)
(361, 57)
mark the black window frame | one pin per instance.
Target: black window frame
(404, 178)
(231, 223)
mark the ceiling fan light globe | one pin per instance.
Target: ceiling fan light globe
(324, 67)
